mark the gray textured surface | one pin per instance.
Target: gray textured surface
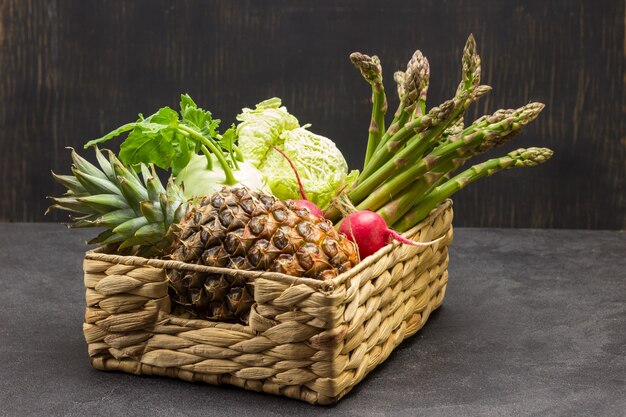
(534, 323)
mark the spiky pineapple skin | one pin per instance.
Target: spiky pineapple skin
(238, 228)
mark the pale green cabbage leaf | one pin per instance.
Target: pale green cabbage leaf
(321, 166)
(261, 127)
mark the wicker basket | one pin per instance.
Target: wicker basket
(306, 339)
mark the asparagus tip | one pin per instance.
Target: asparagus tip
(530, 112)
(530, 157)
(369, 66)
(481, 90)
(470, 46)
(471, 65)
(416, 78)
(398, 77)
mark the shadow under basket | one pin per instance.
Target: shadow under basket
(306, 339)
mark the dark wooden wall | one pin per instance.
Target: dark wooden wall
(71, 70)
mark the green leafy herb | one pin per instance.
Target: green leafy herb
(168, 139)
(195, 117)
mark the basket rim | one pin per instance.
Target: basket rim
(327, 286)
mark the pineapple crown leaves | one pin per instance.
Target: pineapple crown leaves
(133, 210)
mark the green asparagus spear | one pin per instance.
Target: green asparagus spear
(373, 73)
(398, 77)
(420, 153)
(416, 84)
(455, 128)
(420, 134)
(442, 171)
(516, 159)
(393, 210)
(471, 66)
(412, 92)
(381, 194)
(381, 167)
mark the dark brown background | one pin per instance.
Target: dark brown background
(72, 70)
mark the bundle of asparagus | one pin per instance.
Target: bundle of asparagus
(409, 168)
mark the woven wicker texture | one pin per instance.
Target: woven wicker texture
(306, 339)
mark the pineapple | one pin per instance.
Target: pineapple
(235, 228)
(242, 229)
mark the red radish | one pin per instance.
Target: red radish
(305, 203)
(370, 232)
(316, 211)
